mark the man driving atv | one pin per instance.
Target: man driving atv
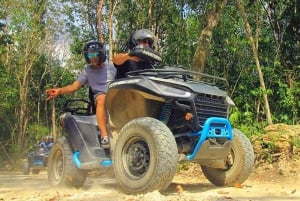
(96, 74)
(125, 62)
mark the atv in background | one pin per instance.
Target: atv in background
(158, 118)
(36, 161)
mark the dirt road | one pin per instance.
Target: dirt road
(262, 185)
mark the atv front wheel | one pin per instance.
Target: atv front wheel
(145, 156)
(239, 163)
(35, 171)
(61, 169)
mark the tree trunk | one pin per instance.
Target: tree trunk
(53, 117)
(110, 19)
(23, 113)
(254, 46)
(150, 14)
(212, 20)
(99, 14)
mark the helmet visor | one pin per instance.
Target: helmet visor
(146, 41)
(92, 55)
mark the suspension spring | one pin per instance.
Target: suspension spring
(166, 113)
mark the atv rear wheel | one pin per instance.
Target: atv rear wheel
(26, 168)
(61, 169)
(240, 162)
(145, 156)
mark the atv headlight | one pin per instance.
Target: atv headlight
(229, 101)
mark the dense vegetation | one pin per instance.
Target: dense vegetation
(254, 44)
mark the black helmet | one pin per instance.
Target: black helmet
(94, 46)
(141, 34)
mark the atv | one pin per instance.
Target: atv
(157, 119)
(36, 161)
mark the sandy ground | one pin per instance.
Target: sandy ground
(264, 184)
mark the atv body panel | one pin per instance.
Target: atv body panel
(83, 136)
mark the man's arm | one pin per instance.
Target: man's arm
(121, 58)
(63, 90)
(70, 88)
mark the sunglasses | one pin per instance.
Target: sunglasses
(92, 55)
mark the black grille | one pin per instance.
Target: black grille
(210, 106)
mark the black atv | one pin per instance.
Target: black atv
(158, 118)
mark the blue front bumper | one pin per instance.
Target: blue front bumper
(214, 127)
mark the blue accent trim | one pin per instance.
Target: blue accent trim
(38, 163)
(75, 157)
(76, 160)
(106, 163)
(214, 127)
